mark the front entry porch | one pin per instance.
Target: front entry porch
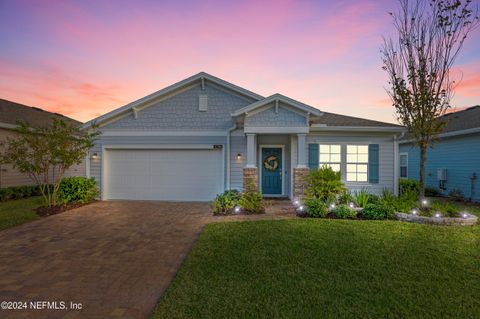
(276, 164)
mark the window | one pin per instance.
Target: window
(357, 163)
(403, 165)
(330, 155)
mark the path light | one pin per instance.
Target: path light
(352, 205)
(296, 202)
(438, 215)
(464, 215)
(424, 202)
(414, 212)
(301, 208)
(332, 205)
(237, 209)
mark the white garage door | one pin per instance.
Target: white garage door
(183, 175)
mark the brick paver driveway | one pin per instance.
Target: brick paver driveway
(115, 258)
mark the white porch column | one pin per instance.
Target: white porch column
(301, 145)
(251, 150)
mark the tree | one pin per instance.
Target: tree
(418, 61)
(45, 153)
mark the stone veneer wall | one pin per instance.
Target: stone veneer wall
(299, 182)
(250, 173)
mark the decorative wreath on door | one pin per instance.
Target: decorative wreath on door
(270, 163)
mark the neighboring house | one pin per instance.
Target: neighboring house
(200, 136)
(454, 160)
(10, 114)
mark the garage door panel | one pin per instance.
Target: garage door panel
(163, 174)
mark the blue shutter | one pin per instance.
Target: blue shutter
(373, 163)
(313, 156)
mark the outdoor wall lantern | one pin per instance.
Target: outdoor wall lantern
(239, 156)
(95, 156)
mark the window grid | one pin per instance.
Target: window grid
(357, 163)
(330, 155)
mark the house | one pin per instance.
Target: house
(10, 114)
(203, 135)
(454, 160)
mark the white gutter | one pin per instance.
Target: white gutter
(450, 134)
(323, 127)
(229, 132)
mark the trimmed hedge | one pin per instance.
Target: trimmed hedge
(18, 192)
(77, 189)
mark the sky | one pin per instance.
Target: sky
(84, 58)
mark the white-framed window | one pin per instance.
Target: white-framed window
(330, 155)
(357, 163)
(403, 165)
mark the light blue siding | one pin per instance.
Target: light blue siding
(459, 155)
(180, 112)
(272, 118)
(386, 155)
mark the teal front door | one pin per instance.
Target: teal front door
(272, 171)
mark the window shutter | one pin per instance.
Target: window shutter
(373, 163)
(313, 156)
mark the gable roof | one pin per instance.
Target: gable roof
(200, 77)
(332, 119)
(12, 112)
(278, 97)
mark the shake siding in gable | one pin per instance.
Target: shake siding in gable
(459, 155)
(386, 153)
(180, 112)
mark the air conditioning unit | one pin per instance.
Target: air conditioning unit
(441, 174)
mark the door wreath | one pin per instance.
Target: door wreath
(270, 163)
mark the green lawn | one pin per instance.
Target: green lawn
(16, 212)
(328, 269)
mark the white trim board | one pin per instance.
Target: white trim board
(162, 133)
(276, 130)
(260, 165)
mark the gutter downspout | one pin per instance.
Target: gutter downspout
(396, 167)
(229, 132)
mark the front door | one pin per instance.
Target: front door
(272, 171)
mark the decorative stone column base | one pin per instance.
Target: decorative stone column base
(250, 174)
(299, 182)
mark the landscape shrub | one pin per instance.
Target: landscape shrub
(77, 189)
(432, 191)
(373, 199)
(409, 185)
(456, 194)
(324, 183)
(446, 209)
(346, 198)
(18, 192)
(361, 198)
(378, 211)
(252, 202)
(316, 208)
(344, 211)
(224, 203)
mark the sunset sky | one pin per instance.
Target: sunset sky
(84, 58)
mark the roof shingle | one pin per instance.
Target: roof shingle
(11, 113)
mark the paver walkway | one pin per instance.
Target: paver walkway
(115, 258)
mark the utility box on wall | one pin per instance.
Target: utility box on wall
(441, 174)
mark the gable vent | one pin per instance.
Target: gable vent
(203, 103)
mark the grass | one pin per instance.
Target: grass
(16, 212)
(321, 268)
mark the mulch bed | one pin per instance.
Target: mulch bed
(54, 210)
